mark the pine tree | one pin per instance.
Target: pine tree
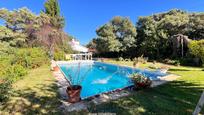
(52, 9)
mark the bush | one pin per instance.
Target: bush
(5, 87)
(177, 63)
(127, 59)
(141, 59)
(197, 49)
(59, 55)
(14, 64)
(120, 59)
(171, 62)
(15, 72)
(30, 57)
(191, 62)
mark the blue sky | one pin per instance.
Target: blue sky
(83, 17)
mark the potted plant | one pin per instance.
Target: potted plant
(141, 81)
(73, 92)
(74, 88)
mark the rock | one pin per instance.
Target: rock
(105, 96)
(63, 93)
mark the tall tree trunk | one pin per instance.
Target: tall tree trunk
(182, 53)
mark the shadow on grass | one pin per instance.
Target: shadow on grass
(173, 98)
(28, 101)
(179, 69)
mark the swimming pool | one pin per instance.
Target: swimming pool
(97, 77)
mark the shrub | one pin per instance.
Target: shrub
(14, 64)
(197, 49)
(191, 62)
(30, 57)
(141, 59)
(59, 55)
(120, 59)
(127, 59)
(176, 62)
(171, 62)
(5, 87)
(15, 72)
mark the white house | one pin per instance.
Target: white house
(83, 51)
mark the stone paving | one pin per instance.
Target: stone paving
(84, 104)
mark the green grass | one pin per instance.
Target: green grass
(36, 93)
(174, 98)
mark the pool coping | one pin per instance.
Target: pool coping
(99, 98)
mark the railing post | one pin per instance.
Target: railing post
(199, 105)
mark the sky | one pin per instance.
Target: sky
(83, 17)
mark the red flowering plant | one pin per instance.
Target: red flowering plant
(140, 81)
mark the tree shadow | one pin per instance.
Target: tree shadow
(28, 101)
(171, 69)
(173, 98)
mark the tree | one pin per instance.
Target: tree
(179, 44)
(155, 31)
(197, 49)
(118, 35)
(196, 26)
(174, 22)
(148, 39)
(53, 10)
(18, 20)
(92, 44)
(23, 26)
(13, 38)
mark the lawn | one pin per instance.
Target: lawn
(36, 93)
(174, 98)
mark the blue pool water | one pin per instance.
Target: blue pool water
(96, 77)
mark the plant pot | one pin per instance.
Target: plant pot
(56, 68)
(73, 93)
(140, 85)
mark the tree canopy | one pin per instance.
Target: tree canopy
(117, 35)
(26, 29)
(53, 10)
(161, 35)
(197, 49)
